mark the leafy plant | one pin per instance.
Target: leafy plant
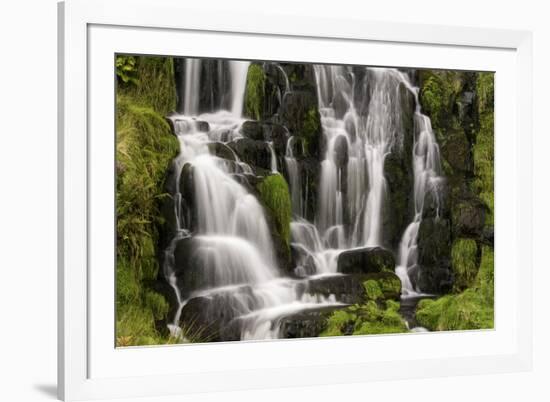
(126, 70)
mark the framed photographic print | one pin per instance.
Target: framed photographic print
(242, 199)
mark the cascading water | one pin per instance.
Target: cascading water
(233, 251)
(427, 179)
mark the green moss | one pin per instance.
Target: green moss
(471, 309)
(275, 196)
(157, 303)
(310, 129)
(145, 147)
(438, 95)
(155, 87)
(255, 90)
(376, 316)
(484, 163)
(372, 289)
(390, 285)
(464, 258)
(485, 89)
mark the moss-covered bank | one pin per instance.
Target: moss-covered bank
(471, 309)
(379, 315)
(144, 148)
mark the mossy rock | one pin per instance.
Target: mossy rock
(255, 90)
(300, 114)
(366, 319)
(366, 260)
(471, 309)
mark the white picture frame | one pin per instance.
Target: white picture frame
(89, 368)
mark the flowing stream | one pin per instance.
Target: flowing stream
(232, 243)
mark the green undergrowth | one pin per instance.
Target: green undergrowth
(471, 309)
(145, 147)
(376, 316)
(275, 196)
(464, 260)
(255, 90)
(483, 150)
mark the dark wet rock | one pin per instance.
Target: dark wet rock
(366, 260)
(434, 241)
(253, 129)
(213, 318)
(310, 170)
(435, 279)
(202, 126)
(346, 288)
(468, 217)
(221, 150)
(350, 288)
(341, 151)
(456, 150)
(299, 113)
(305, 324)
(253, 152)
(398, 209)
(434, 256)
(488, 236)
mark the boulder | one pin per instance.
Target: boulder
(221, 150)
(350, 288)
(253, 129)
(300, 114)
(255, 153)
(468, 217)
(434, 242)
(366, 260)
(341, 151)
(305, 324)
(433, 275)
(211, 318)
(398, 209)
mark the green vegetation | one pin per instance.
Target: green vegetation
(154, 84)
(275, 196)
(255, 89)
(464, 259)
(377, 316)
(471, 309)
(144, 148)
(438, 94)
(484, 147)
(126, 70)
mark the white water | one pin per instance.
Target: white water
(356, 144)
(427, 180)
(295, 179)
(232, 240)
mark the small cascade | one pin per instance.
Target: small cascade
(427, 180)
(273, 157)
(192, 86)
(295, 181)
(233, 259)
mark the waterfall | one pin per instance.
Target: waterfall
(191, 89)
(233, 253)
(239, 70)
(295, 181)
(427, 180)
(234, 260)
(357, 145)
